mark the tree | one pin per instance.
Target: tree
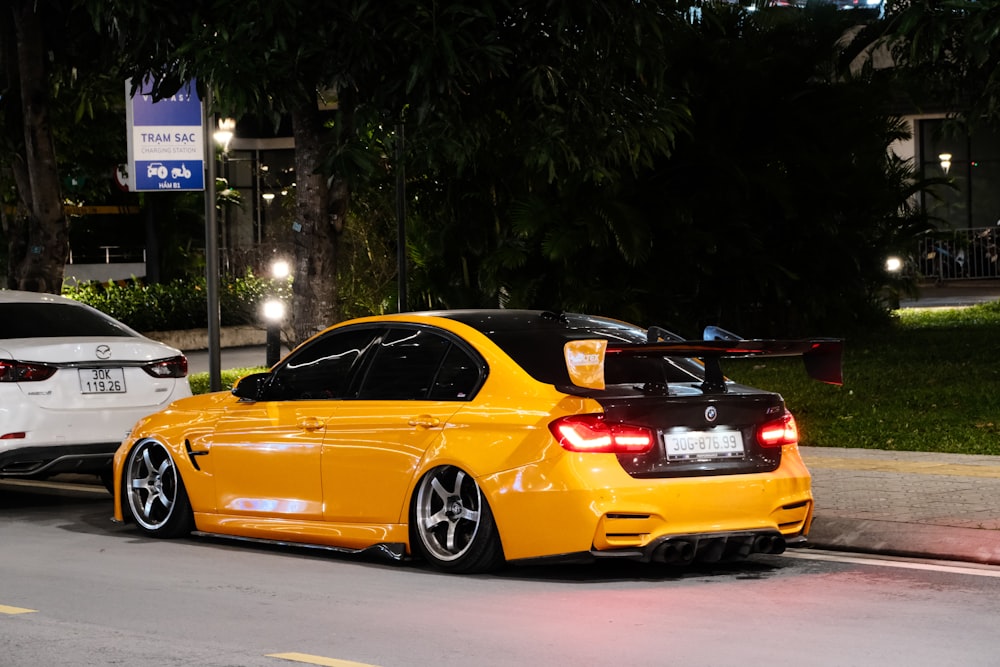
(557, 75)
(37, 229)
(785, 198)
(950, 52)
(521, 201)
(60, 112)
(371, 59)
(770, 207)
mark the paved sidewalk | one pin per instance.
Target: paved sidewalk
(925, 504)
(955, 294)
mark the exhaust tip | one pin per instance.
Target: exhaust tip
(674, 552)
(769, 544)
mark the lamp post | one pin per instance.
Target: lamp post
(212, 259)
(221, 136)
(274, 315)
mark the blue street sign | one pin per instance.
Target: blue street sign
(166, 140)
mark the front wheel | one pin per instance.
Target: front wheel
(451, 523)
(153, 492)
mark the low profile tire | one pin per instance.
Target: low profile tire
(153, 494)
(451, 524)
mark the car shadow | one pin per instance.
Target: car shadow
(89, 510)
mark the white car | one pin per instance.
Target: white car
(73, 382)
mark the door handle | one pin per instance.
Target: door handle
(311, 424)
(425, 421)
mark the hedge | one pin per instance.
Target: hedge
(179, 304)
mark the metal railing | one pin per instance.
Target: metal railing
(108, 254)
(966, 254)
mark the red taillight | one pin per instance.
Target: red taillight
(175, 367)
(779, 432)
(591, 433)
(16, 435)
(19, 371)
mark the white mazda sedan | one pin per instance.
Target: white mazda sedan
(73, 382)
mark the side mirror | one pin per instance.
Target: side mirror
(251, 387)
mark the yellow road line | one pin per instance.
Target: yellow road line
(317, 660)
(4, 609)
(911, 467)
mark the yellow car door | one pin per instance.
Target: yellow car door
(417, 380)
(267, 452)
(371, 452)
(266, 459)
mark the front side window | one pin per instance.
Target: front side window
(325, 368)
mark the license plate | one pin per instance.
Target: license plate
(703, 444)
(102, 380)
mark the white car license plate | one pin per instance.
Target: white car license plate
(703, 444)
(102, 380)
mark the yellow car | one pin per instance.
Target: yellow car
(471, 438)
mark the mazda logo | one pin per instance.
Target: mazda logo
(711, 413)
(103, 352)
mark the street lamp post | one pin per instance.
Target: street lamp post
(221, 136)
(212, 258)
(274, 315)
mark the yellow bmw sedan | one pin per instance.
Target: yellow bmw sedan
(473, 438)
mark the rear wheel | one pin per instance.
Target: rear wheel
(452, 526)
(153, 492)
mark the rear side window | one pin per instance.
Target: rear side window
(417, 364)
(56, 320)
(459, 377)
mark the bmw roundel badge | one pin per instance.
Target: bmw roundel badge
(711, 413)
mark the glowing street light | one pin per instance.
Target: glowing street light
(223, 135)
(945, 159)
(280, 269)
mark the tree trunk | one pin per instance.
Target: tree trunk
(39, 248)
(320, 205)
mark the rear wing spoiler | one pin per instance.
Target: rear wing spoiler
(822, 357)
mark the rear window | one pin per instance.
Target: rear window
(540, 353)
(55, 320)
(536, 339)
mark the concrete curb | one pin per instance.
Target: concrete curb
(915, 540)
(197, 339)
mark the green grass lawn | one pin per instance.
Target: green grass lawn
(930, 383)
(200, 384)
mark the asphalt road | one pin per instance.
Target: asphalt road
(77, 590)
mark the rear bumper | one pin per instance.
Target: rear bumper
(38, 462)
(581, 504)
(685, 549)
